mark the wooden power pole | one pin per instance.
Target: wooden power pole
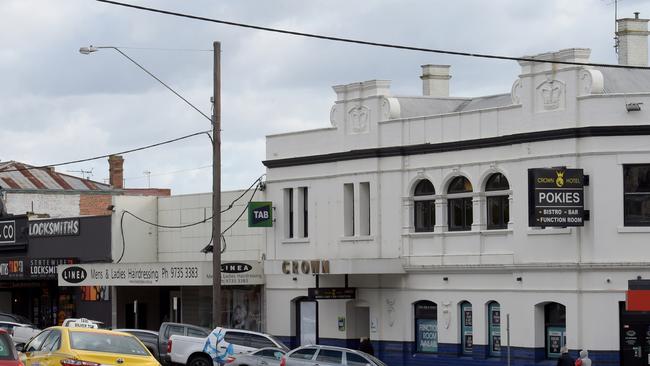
(216, 189)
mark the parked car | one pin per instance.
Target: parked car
(20, 333)
(8, 354)
(85, 344)
(221, 344)
(148, 337)
(168, 330)
(14, 318)
(269, 356)
(328, 356)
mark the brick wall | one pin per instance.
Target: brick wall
(95, 204)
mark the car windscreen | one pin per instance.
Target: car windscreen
(279, 343)
(7, 350)
(105, 342)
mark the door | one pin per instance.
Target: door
(33, 353)
(239, 340)
(136, 315)
(308, 322)
(5, 301)
(329, 357)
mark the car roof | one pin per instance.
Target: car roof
(124, 330)
(91, 330)
(327, 347)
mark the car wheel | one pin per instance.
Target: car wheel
(200, 361)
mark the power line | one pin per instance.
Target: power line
(169, 173)
(107, 155)
(368, 43)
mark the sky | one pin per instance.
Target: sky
(57, 105)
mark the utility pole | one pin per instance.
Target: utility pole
(216, 188)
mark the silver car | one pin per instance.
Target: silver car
(328, 356)
(269, 356)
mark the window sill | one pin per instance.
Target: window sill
(357, 238)
(296, 241)
(550, 231)
(496, 232)
(634, 229)
(431, 234)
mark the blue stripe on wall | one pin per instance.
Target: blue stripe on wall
(395, 353)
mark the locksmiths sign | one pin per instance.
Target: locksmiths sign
(260, 214)
(556, 197)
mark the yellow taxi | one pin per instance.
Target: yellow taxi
(82, 344)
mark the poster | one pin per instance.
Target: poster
(427, 335)
(496, 344)
(555, 341)
(468, 317)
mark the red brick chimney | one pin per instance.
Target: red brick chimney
(116, 171)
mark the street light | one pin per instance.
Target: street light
(216, 164)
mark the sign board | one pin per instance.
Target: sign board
(8, 232)
(556, 197)
(31, 269)
(57, 227)
(159, 274)
(260, 214)
(332, 293)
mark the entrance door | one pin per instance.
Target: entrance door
(136, 316)
(634, 337)
(362, 322)
(307, 322)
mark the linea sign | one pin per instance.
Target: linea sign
(260, 214)
(159, 274)
(556, 197)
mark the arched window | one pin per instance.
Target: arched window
(460, 205)
(554, 328)
(424, 215)
(494, 329)
(426, 327)
(466, 328)
(498, 207)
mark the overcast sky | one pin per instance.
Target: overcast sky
(58, 105)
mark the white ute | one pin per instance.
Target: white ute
(216, 349)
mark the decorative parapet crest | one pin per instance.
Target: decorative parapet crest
(390, 109)
(591, 82)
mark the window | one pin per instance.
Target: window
(424, 215)
(466, 328)
(460, 204)
(109, 343)
(364, 208)
(270, 353)
(498, 210)
(354, 359)
(304, 354)
(305, 212)
(288, 212)
(258, 341)
(494, 329)
(36, 343)
(554, 328)
(636, 197)
(426, 327)
(174, 329)
(330, 356)
(7, 350)
(53, 341)
(198, 333)
(237, 338)
(348, 209)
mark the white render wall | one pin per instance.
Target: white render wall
(140, 239)
(242, 243)
(586, 269)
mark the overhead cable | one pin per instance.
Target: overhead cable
(369, 43)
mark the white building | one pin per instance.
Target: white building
(421, 204)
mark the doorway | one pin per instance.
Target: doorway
(306, 321)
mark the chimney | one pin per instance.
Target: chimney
(632, 37)
(435, 80)
(116, 171)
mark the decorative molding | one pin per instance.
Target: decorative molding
(591, 82)
(333, 119)
(390, 109)
(515, 92)
(446, 313)
(463, 145)
(358, 120)
(390, 310)
(550, 96)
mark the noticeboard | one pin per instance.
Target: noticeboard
(332, 293)
(556, 197)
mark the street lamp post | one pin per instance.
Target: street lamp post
(216, 166)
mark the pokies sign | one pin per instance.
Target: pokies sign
(556, 197)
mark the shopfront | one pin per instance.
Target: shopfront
(28, 267)
(147, 294)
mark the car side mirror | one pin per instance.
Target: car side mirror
(20, 347)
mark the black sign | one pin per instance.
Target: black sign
(235, 267)
(332, 293)
(58, 227)
(74, 274)
(8, 232)
(556, 197)
(31, 269)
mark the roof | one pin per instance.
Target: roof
(19, 176)
(625, 80)
(430, 106)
